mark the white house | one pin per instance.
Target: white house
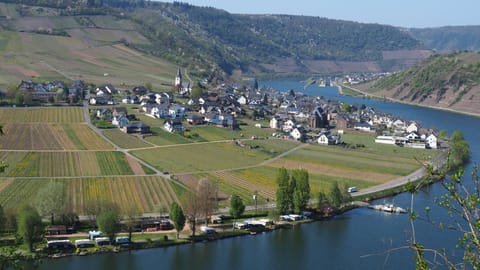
(413, 127)
(297, 133)
(120, 121)
(328, 138)
(288, 125)
(159, 111)
(412, 136)
(242, 100)
(385, 139)
(431, 141)
(174, 125)
(363, 127)
(176, 111)
(275, 122)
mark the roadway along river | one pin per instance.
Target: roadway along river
(358, 239)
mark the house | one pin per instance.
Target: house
(98, 100)
(194, 119)
(138, 127)
(158, 111)
(328, 138)
(288, 125)
(173, 125)
(276, 122)
(413, 127)
(298, 133)
(139, 90)
(363, 127)
(120, 121)
(413, 136)
(213, 118)
(242, 100)
(116, 111)
(104, 114)
(431, 141)
(106, 89)
(176, 111)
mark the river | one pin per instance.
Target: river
(358, 239)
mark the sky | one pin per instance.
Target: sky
(402, 13)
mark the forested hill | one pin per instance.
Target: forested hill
(449, 38)
(443, 80)
(207, 37)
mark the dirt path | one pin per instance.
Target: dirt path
(136, 167)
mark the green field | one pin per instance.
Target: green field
(123, 140)
(200, 157)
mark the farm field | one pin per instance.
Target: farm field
(42, 136)
(42, 115)
(123, 140)
(200, 157)
(213, 133)
(63, 164)
(146, 194)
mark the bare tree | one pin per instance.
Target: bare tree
(192, 209)
(206, 194)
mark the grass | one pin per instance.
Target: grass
(124, 140)
(200, 157)
(162, 137)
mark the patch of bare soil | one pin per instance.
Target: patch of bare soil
(136, 167)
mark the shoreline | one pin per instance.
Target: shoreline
(370, 95)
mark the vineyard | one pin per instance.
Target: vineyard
(35, 136)
(65, 164)
(42, 115)
(200, 157)
(147, 194)
(123, 140)
(264, 191)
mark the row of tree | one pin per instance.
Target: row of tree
(293, 193)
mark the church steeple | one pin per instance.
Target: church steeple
(178, 78)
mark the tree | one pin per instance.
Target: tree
(30, 225)
(196, 92)
(459, 151)
(96, 206)
(236, 207)
(192, 209)
(50, 200)
(282, 191)
(130, 216)
(206, 194)
(178, 218)
(322, 201)
(335, 197)
(301, 194)
(2, 219)
(109, 223)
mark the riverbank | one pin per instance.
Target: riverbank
(370, 95)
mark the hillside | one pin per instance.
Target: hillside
(449, 38)
(448, 81)
(198, 38)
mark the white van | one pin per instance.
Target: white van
(352, 189)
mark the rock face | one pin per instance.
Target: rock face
(450, 81)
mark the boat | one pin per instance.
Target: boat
(388, 207)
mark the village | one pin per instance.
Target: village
(290, 115)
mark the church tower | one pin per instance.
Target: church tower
(178, 78)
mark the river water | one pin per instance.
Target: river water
(358, 239)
